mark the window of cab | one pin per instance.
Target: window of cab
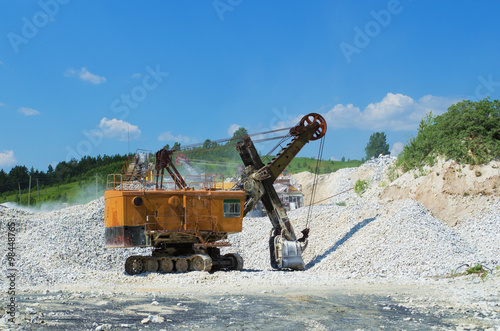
(232, 208)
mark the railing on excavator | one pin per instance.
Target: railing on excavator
(213, 181)
(116, 182)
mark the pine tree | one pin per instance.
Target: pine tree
(377, 145)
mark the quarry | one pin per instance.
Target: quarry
(412, 237)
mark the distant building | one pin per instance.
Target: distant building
(289, 193)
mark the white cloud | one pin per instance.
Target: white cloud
(85, 75)
(232, 129)
(118, 129)
(7, 158)
(1, 63)
(393, 112)
(136, 75)
(288, 123)
(333, 158)
(168, 136)
(28, 111)
(397, 148)
(2, 104)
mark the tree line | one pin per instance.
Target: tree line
(64, 172)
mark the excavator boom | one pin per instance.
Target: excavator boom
(258, 179)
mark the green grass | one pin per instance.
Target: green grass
(360, 186)
(478, 269)
(76, 192)
(300, 164)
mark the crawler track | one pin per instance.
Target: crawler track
(135, 265)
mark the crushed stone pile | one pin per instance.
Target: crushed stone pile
(337, 187)
(365, 238)
(400, 239)
(61, 246)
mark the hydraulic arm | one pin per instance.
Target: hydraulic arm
(285, 249)
(164, 161)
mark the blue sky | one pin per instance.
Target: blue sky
(78, 77)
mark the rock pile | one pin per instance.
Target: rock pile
(400, 239)
(364, 238)
(337, 187)
(60, 246)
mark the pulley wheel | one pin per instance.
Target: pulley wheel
(315, 118)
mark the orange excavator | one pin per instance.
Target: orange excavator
(186, 227)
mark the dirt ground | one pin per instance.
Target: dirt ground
(447, 304)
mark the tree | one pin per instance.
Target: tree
(469, 132)
(240, 133)
(3, 180)
(18, 174)
(176, 147)
(377, 145)
(343, 158)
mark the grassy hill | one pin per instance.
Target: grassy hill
(82, 189)
(74, 192)
(71, 182)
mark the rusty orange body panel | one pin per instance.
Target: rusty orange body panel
(143, 218)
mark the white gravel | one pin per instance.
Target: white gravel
(366, 240)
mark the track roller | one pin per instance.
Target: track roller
(181, 264)
(151, 264)
(165, 265)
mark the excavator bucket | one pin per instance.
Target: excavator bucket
(287, 254)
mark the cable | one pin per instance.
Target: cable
(186, 147)
(315, 182)
(316, 202)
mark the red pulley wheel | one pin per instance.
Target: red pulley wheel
(315, 118)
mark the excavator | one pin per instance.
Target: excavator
(185, 228)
